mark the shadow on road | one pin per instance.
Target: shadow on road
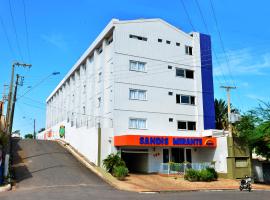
(19, 169)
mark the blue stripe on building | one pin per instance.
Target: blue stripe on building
(207, 82)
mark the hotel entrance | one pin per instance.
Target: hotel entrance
(177, 155)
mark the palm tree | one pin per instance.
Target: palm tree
(221, 109)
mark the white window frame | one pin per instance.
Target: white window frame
(136, 118)
(189, 100)
(138, 97)
(137, 66)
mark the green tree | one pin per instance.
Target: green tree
(221, 110)
(254, 129)
(28, 136)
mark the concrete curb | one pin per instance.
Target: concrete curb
(5, 188)
(107, 177)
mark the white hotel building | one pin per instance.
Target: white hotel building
(149, 87)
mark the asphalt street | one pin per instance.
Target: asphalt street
(45, 170)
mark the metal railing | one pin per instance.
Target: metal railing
(180, 168)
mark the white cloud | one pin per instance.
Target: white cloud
(242, 62)
(56, 40)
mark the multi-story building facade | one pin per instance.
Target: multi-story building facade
(149, 87)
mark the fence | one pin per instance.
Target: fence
(180, 168)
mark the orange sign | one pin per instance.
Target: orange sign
(172, 141)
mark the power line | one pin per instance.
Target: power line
(221, 41)
(6, 36)
(26, 31)
(189, 19)
(15, 30)
(207, 30)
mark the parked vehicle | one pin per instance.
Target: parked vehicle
(245, 184)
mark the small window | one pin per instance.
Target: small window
(190, 74)
(138, 37)
(188, 50)
(137, 123)
(109, 40)
(178, 98)
(170, 93)
(184, 99)
(241, 162)
(177, 44)
(99, 102)
(159, 40)
(169, 67)
(192, 100)
(83, 110)
(168, 42)
(170, 119)
(182, 125)
(180, 72)
(191, 126)
(137, 66)
(135, 94)
(99, 50)
(99, 76)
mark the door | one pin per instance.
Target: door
(188, 155)
(166, 156)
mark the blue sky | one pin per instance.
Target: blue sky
(60, 31)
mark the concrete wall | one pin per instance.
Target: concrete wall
(257, 171)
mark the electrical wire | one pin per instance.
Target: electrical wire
(26, 31)
(15, 30)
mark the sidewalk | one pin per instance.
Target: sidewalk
(156, 182)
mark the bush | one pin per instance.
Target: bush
(120, 172)
(192, 175)
(213, 171)
(113, 160)
(208, 174)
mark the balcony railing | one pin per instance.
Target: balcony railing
(180, 168)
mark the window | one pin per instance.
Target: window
(99, 76)
(138, 37)
(109, 40)
(84, 89)
(99, 50)
(159, 40)
(241, 162)
(189, 74)
(185, 73)
(84, 110)
(170, 119)
(191, 126)
(185, 99)
(180, 72)
(186, 125)
(99, 102)
(182, 125)
(188, 50)
(170, 93)
(136, 66)
(137, 123)
(177, 44)
(169, 67)
(168, 42)
(135, 94)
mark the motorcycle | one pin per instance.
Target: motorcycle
(245, 183)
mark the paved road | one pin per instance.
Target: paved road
(45, 170)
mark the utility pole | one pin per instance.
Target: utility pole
(8, 115)
(228, 89)
(14, 101)
(230, 140)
